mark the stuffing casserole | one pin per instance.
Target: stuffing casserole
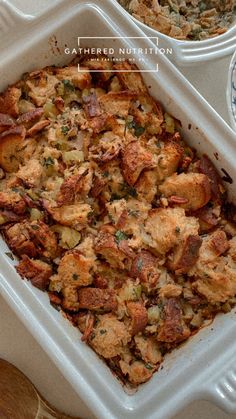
(112, 214)
(192, 20)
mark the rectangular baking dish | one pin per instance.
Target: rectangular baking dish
(204, 368)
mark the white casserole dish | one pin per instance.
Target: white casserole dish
(204, 368)
(187, 53)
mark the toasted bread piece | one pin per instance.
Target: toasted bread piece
(12, 201)
(73, 186)
(97, 299)
(139, 316)
(149, 349)
(31, 172)
(138, 372)
(214, 271)
(74, 215)
(110, 336)
(107, 246)
(43, 238)
(135, 159)
(168, 160)
(186, 254)
(146, 186)
(42, 86)
(80, 79)
(37, 271)
(75, 269)
(100, 63)
(193, 188)
(128, 80)
(145, 267)
(167, 227)
(9, 101)
(170, 291)
(10, 143)
(207, 168)
(173, 328)
(117, 103)
(18, 240)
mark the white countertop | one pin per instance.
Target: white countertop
(20, 348)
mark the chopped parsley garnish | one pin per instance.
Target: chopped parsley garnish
(131, 191)
(68, 84)
(10, 255)
(148, 366)
(120, 235)
(177, 229)
(64, 129)
(128, 190)
(75, 277)
(14, 189)
(105, 174)
(140, 264)
(130, 124)
(114, 197)
(35, 227)
(17, 190)
(138, 130)
(48, 162)
(202, 6)
(103, 331)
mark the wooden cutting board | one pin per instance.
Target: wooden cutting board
(19, 399)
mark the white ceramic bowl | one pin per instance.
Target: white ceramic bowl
(231, 92)
(187, 53)
(204, 367)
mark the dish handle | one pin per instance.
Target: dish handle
(220, 388)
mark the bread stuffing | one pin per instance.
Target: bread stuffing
(192, 20)
(112, 214)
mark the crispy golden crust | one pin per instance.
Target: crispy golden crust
(13, 201)
(36, 271)
(10, 144)
(109, 336)
(97, 299)
(139, 317)
(117, 103)
(193, 188)
(81, 79)
(186, 255)
(145, 267)
(112, 214)
(9, 101)
(134, 160)
(172, 328)
(131, 81)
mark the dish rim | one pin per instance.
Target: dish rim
(229, 92)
